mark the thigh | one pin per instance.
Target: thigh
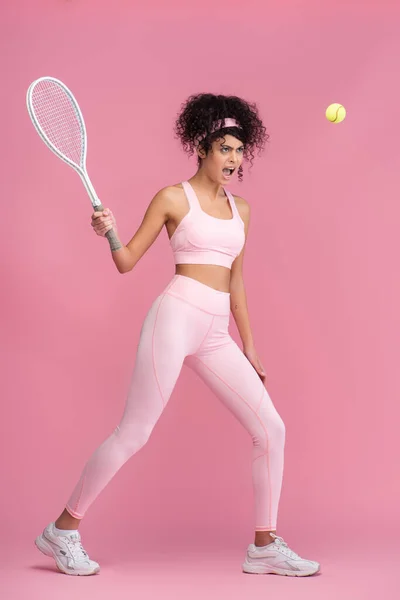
(230, 375)
(167, 335)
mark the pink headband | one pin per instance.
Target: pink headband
(225, 123)
(220, 125)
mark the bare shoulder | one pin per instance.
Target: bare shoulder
(171, 202)
(169, 199)
(243, 207)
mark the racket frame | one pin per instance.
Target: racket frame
(80, 169)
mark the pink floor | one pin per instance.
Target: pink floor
(352, 569)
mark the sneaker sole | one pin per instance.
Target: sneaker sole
(46, 549)
(264, 570)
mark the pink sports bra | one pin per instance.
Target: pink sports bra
(202, 239)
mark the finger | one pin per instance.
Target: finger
(99, 227)
(103, 230)
(261, 368)
(101, 222)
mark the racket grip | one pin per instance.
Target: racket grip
(112, 237)
(113, 240)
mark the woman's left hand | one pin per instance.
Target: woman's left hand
(252, 357)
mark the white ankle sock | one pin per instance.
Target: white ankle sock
(261, 547)
(64, 531)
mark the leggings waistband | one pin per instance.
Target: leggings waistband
(199, 295)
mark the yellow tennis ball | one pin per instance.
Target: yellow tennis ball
(335, 113)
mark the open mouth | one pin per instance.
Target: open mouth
(228, 172)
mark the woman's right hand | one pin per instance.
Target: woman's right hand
(103, 221)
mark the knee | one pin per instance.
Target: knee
(280, 430)
(273, 436)
(131, 438)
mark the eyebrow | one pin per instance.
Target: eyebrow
(231, 147)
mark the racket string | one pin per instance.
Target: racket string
(59, 120)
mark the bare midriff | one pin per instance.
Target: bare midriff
(212, 275)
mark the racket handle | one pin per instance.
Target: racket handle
(112, 237)
(113, 240)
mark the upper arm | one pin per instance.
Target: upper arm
(155, 217)
(244, 211)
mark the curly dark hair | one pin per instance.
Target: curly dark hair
(200, 111)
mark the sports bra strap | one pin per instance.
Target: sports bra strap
(191, 196)
(233, 205)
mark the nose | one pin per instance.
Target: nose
(234, 160)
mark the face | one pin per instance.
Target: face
(226, 153)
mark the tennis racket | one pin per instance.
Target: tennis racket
(59, 122)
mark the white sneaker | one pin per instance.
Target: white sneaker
(277, 558)
(67, 551)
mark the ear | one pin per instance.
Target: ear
(200, 152)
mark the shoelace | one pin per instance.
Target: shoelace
(280, 542)
(76, 548)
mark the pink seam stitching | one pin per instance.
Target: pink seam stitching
(194, 306)
(152, 342)
(73, 513)
(80, 493)
(262, 425)
(257, 457)
(205, 337)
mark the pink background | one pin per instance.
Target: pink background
(321, 273)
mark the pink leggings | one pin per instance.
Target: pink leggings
(188, 324)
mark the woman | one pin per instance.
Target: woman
(188, 324)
